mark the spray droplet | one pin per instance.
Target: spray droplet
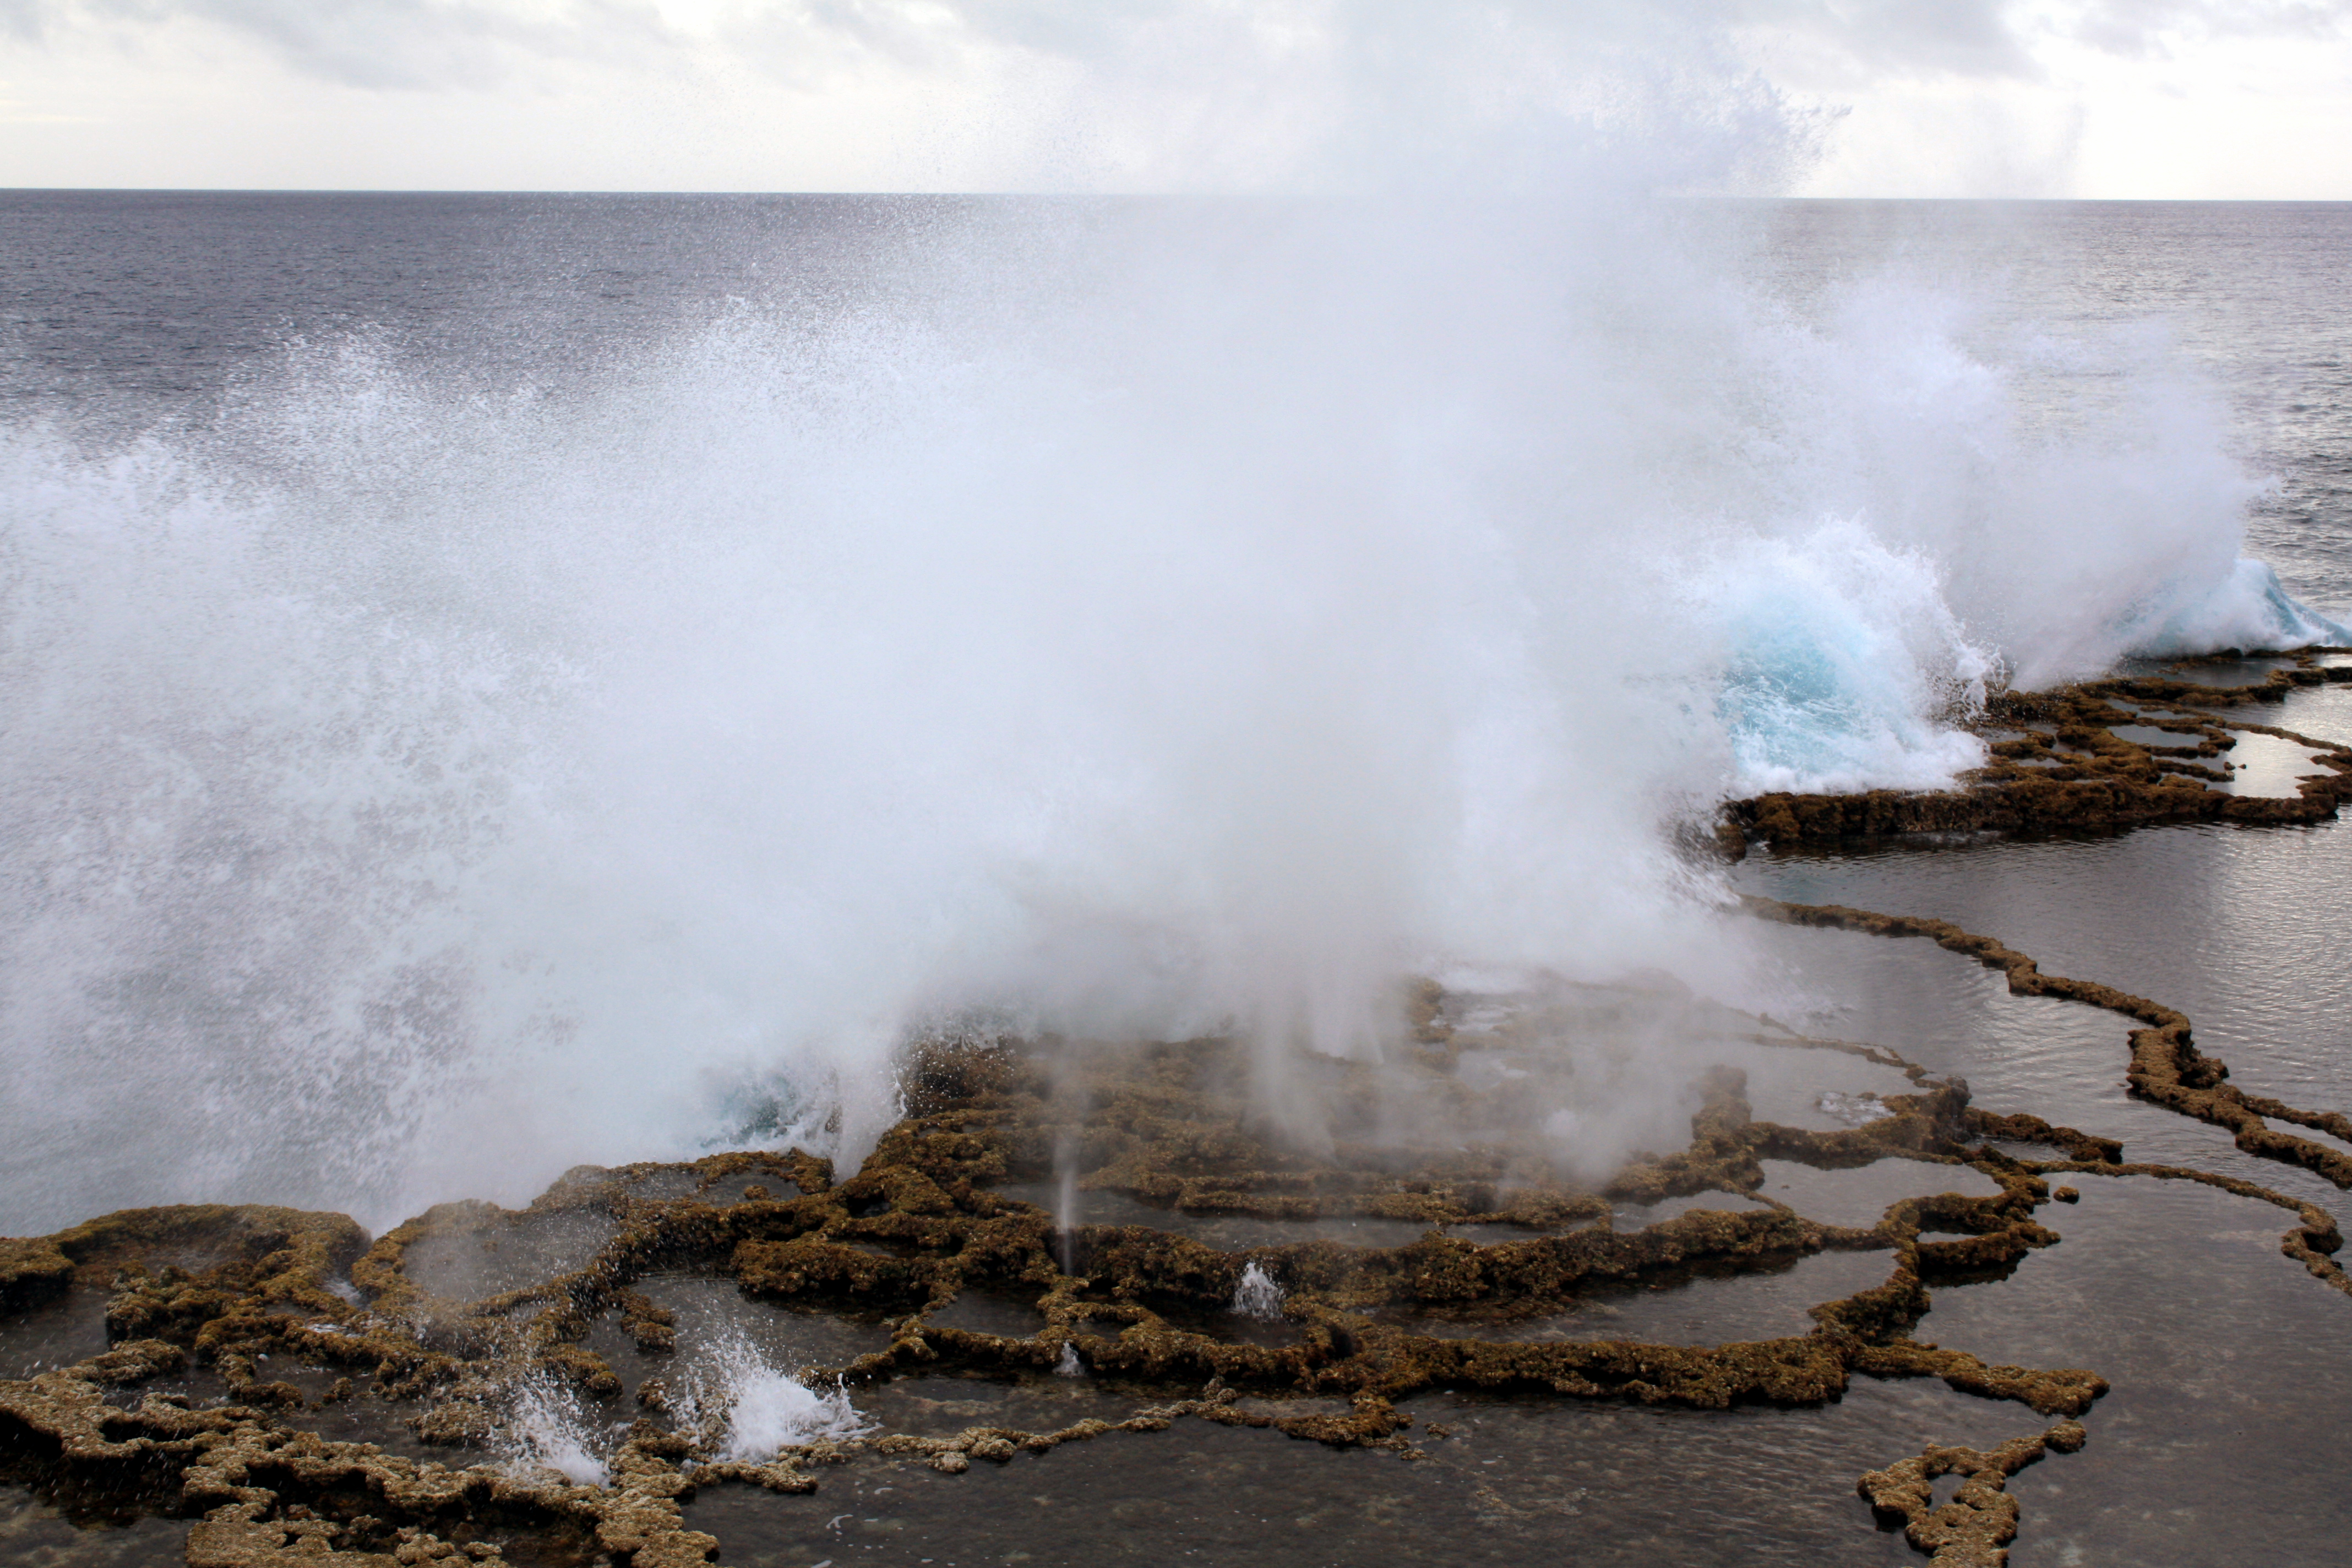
(1853, 1110)
(549, 1430)
(743, 1409)
(1258, 1296)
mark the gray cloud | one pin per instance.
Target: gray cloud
(1048, 26)
(2146, 27)
(410, 44)
(1862, 40)
(1899, 37)
(1971, 37)
(387, 44)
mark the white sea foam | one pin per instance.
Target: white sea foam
(1141, 618)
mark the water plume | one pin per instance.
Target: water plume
(744, 1409)
(547, 1429)
(1124, 619)
(1257, 1295)
(1065, 1201)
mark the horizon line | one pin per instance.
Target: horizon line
(870, 194)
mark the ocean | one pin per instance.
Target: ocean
(494, 683)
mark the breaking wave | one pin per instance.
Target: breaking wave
(1140, 617)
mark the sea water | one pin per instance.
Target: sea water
(458, 644)
(501, 681)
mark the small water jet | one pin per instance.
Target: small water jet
(1853, 1109)
(1065, 1201)
(744, 1410)
(547, 1429)
(1257, 1295)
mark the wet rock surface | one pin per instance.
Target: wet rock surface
(1067, 1249)
(971, 1291)
(2103, 756)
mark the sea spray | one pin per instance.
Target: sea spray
(1066, 1220)
(1255, 1294)
(772, 1410)
(740, 1407)
(1127, 619)
(547, 1427)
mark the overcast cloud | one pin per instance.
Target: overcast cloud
(378, 44)
(1929, 96)
(426, 43)
(2165, 26)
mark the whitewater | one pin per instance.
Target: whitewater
(1111, 618)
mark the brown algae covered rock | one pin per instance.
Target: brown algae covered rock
(925, 1223)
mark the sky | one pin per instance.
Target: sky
(2099, 98)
